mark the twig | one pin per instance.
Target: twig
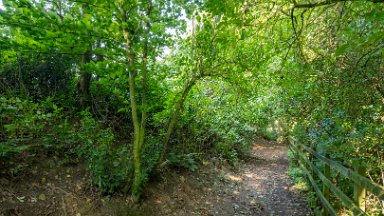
(64, 206)
(368, 53)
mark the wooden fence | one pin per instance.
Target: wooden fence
(305, 157)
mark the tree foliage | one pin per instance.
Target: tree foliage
(173, 79)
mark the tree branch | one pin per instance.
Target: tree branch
(328, 2)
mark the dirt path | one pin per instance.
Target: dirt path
(263, 187)
(260, 187)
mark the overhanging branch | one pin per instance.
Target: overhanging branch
(328, 2)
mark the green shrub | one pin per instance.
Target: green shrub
(108, 165)
(186, 161)
(26, 124)
(22, 121)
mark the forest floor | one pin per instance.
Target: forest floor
(261, 186)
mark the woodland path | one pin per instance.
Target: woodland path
(262, 185)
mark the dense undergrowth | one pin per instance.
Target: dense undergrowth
(30, 128)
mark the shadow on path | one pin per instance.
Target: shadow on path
(262, 186)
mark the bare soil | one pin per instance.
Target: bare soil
(261, 186)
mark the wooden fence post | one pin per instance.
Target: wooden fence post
(311, 159)
(359, 192)
(317, 202)
(327, 174)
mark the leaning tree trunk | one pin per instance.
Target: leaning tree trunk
(174, 118)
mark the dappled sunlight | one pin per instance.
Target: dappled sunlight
(254, 176)
(265, 184)
(259, 147)
(190, 107)
(249, 175)
(236, 192)
(233, 178)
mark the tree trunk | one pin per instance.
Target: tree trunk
(139, 127)
(85, 76)
(173, 120)
(84, 82)
(145, 77)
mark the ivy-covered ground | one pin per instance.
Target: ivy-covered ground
(260, 186)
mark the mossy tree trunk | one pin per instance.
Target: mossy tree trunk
(139, 125)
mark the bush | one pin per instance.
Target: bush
(22, 121)
(186, 161)
(108, 165)
(25, 124)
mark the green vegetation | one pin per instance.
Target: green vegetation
(134, 86)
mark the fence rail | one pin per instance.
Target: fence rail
(305, 155)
